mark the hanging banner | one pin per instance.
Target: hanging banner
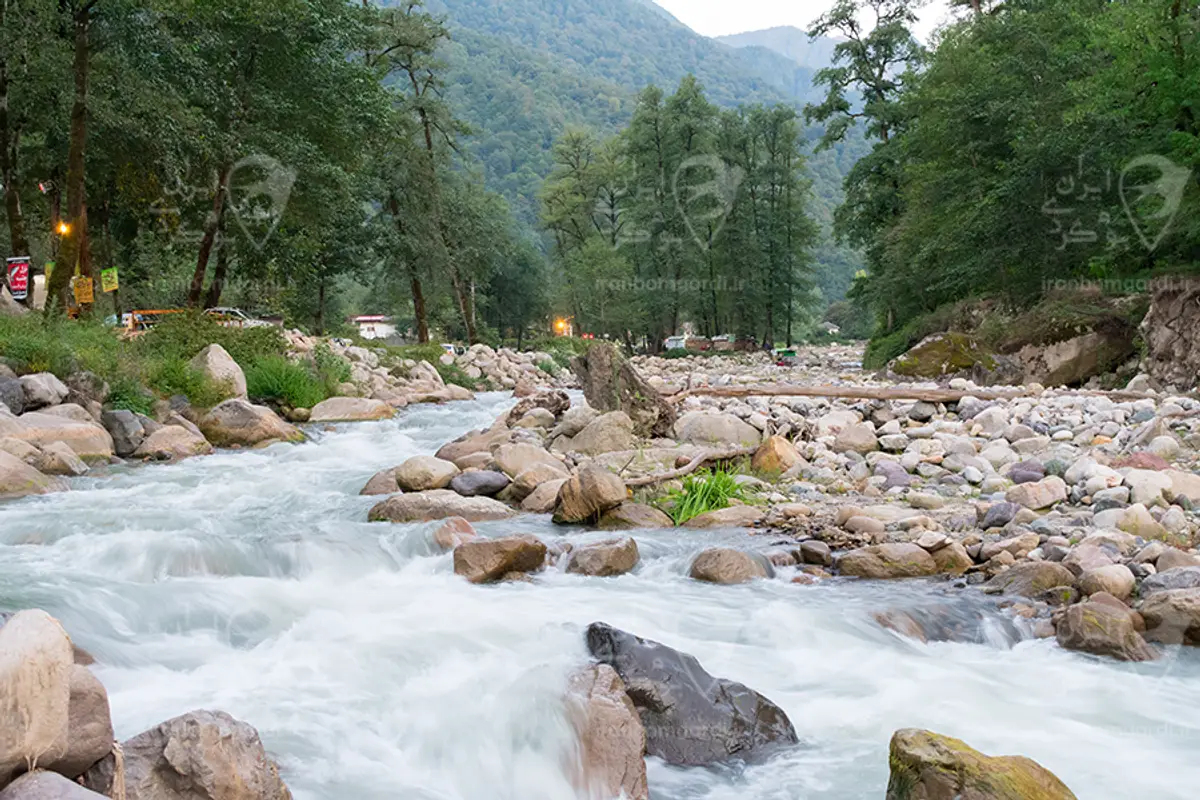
(18, 277)
(49, 268)
(109, 281)
(84, 292)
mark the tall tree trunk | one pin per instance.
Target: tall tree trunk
(320, 320)
(74, 241)
(213, 299)
(9, 147)
(418, 294)
(109, 256)
(211, 228)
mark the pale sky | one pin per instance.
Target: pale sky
(721, 17)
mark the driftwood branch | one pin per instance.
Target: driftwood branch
(700, 460)
(885, 393)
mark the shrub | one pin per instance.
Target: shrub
(185, 335)
(562, 348)
(331, 369)
(548, 366)
(128, 394)
(172, 375)
(703, 492)
(277, 379)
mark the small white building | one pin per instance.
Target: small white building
(374, 326)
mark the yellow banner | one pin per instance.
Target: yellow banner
(84, 293)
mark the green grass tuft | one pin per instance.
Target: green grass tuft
(707, 490)
(276, 379)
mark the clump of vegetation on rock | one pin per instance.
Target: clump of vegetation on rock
(708, 490)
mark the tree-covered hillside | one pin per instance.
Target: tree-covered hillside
(791, 43)
(522, 72)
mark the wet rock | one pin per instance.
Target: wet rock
(690, 717)
(929, 766)
(952, 559)
(236, 422)
(775, 456)
(1101, 630)
(604, 559)
(490, 560)
(726, 566)
(172, 443)
(126, 431)
(215, 363)
(887, 561)
(1030, 579)
(350, 409)
(722, 430)
(513, 459)
(18, 479)
(587, 494)
(202, 755)
(381, 483)
(631, 516)
(732, 517)
(453, 532)
(612, 740)
(472, 444)
(36, 659)
(423, 473)
(438, 504)
(89, 440)
(43, 389)
(528, 480)
(47, 786)
(480, 483)
(815, 552)
(1042, 494)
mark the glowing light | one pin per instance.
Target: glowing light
(63, 229)
(560, 325)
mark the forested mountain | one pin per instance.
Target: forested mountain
(791, 43)
(522, 72)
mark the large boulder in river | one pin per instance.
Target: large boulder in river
(421, 473)
(513, 459)
(732, 517)
(928, 766)
(237, 422)
(350, 409)
(1030, 579)
(202, 755)
(18, 479)
(690, 717)
(610, 383)
(47, 786)
(438, 504)
(587, 494)
(480, 483)
(88, 439)
(43, 389)
(956, 354)
(489, 560)
(215, 363)
(1072, 361)
(1173, 616)
(472, 444)
(544, 498)
(612, 740)
(630, 516)
(606, 434)
(724, 565)
(126, 429)
(885, 561)
(172, 443)
(604, 559)
(1102, 630)
(720, 430)
(556, 402)
(36, 659)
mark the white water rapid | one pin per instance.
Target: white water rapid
(251, 582)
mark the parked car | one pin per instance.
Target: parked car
(454, 349)
(675, 343)
(236, 318)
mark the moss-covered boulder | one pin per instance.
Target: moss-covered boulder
(945, 355)
(928, 766)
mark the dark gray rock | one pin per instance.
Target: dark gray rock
(126, 430)
(86, 387)
(480, 483)
(12, 394)
(1027, 472)
(1177, 578)
(690, 717)
(46, 786)
(922, 412)
(1000, 515)
(895, 474)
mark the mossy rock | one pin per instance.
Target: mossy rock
(944, 354)
(929, 766)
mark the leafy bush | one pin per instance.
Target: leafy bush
(185, 335)
(128, 394)
(277, 379)
(331, 369)
(171, 376)
(453, 373)
(548, 366)
(562, 348)
(707, 490)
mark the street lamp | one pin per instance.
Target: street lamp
(63, 228)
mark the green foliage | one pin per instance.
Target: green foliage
(185, 335)
(549, 366)
(562, 348)
(31, 345)
(171, 375)
(284, 382)
(128, 394)
(330, 369)
(704, 491)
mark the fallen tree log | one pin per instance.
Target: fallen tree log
(927, 395)
(706, 457)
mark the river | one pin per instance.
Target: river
(251, 582)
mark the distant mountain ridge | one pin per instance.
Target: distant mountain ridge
(789, 42)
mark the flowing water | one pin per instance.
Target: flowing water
(250, 582)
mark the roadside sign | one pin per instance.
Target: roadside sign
(84, 293)
(109, 281)
(18, 277)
